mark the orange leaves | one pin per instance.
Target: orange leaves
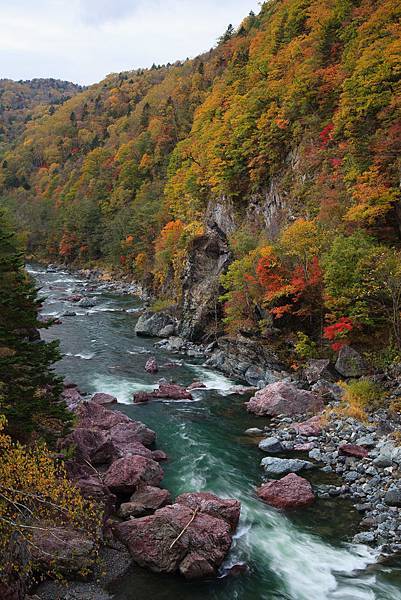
(372, 196)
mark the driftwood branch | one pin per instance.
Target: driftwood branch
(185, 528)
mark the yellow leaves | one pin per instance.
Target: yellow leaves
(372, 197)
(301, 239)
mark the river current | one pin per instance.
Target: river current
(306, 555)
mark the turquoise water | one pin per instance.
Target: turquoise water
(304, 556)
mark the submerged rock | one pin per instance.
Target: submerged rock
(283, 398)
(196, 385)
(290, 492)
(282, 466)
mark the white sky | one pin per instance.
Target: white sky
(84, 40)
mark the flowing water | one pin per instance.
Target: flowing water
(304, 556)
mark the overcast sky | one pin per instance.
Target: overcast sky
(84, 40)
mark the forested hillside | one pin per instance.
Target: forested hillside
(285, 138)
(23, 101)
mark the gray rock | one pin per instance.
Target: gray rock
(254, 375)
(393, 497)
(150, 324)
(253, 431)
(271, 445)
(367, 440)
(167, 331)
(283, 466)
(351, 476)
(175, 344)
(365, 537)
(350, 363)
(86, 303)
(315, 369)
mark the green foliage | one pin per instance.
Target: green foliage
(305, 347)
(29, 390)
(362, 396)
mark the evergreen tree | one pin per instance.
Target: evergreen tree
(29, 390)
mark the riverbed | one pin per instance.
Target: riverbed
(303, 556)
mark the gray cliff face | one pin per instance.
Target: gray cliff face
(210, 256)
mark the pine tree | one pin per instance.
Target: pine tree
(29, 390)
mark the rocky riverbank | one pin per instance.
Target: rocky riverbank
(115, 463)
(363, 456)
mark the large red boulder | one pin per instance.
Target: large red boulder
(310, 428)
(227, 509)
(177, 539)
(283, 398)
(89, 445)
(117, 426)
(289, 492)
(127, 473)
(168, 391)
(353, 450)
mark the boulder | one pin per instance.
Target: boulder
(275, 467)
(283, 398)
(254, 431)
(177, 539)
(310, 428)
(151, 365)
(353, 450)
(127, 473)
(196, 385)
(167, 331)
(119, 428)
(271, 445)
(168, 391)
(70, 549)
(74, 298)
(151, 324)
(101, 398)
(89, 445)
(144, 501)
(315, 369)
(350, 363)
(289, 492)
(91, 487)
(226, 509)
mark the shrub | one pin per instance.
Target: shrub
(362, 396)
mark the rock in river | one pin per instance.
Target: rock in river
(283, 398)
(168, 391)
(151, 365)
(177, 539)
(289, 492)
(282, 466)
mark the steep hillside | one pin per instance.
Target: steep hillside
(270, 165)
(22, 101)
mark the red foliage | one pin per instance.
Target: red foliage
(326, 135)
(338, 333)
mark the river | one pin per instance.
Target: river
(303, 556)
